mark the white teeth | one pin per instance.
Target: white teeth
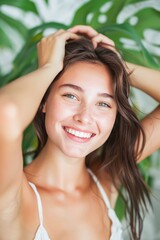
(78, 134)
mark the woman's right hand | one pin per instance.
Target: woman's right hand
(51, 49)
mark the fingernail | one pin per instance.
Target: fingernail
(94, 44)
(70, 29)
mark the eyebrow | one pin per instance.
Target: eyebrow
(106, 95)
(72, 86)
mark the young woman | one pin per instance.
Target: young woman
(89, 141)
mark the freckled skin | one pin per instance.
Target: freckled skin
(83, 110)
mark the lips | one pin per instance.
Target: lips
(78, 133)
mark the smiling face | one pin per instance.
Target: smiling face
(80, 110)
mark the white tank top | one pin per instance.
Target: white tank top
(116, 227)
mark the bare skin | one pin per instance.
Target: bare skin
(70, 199)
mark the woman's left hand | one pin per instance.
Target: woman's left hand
(94, 36)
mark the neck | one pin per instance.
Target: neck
(54, 169)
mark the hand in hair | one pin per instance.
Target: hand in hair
(51, 49)
(94, 36)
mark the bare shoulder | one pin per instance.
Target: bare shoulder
(108, 186)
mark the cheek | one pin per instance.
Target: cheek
(107, 124)
(105, 127)
(57, 111)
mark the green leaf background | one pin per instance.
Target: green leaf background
(103, 16)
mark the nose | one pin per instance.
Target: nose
(84, 115)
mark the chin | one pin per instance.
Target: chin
(77, 155)
(73, 152)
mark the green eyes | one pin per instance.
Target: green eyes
(103, 104)
(73, 97)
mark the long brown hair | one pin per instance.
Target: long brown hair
(118, 156)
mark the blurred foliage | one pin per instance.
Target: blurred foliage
(111, 18)
(7, 22)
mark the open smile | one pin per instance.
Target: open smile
(78, 133)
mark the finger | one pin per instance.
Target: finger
(85, 30)
(54, 34)
(60, 34)
(69, 35)
(100, 38)
(105, 42)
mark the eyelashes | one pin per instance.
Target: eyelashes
(72, 97)
(104, 105)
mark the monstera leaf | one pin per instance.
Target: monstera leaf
(9, 24)
(26, 60)
(127, 23)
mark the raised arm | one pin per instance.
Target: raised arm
(148, 81)
(21, 98)
(19, 101)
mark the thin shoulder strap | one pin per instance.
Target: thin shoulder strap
(101, 189)
(39, 202)
(111, 212)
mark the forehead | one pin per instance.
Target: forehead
(88, 76)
